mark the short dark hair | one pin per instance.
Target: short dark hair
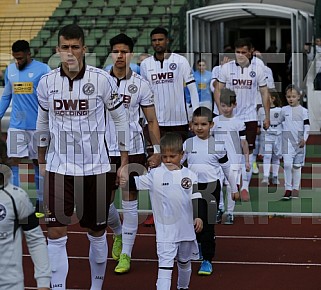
(122, 38)
(203, 112)
(21, 45)
(227, 97)
(171, 141)
(72, 31)
(159, 30)
(243, 42)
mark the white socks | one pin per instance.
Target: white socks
(246, 176)
(184, 274)
(59, 262)
(130, 225)
(98, 252)
(296, 177)
(114, 220)
(164, 279)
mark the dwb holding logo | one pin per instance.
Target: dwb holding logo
(71, 107)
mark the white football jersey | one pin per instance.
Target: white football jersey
(230, 132)
(294, 119)
(245, 82)
(167, 81)
(171, 198)
(275, 120)
(75, 110)
(136, 93)
(203, 158)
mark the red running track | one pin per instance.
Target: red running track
(255, 253)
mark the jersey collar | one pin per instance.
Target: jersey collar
(127, 76)
(79, 76)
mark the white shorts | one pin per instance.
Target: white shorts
(295, 156)
(183, 251)
(22, 143)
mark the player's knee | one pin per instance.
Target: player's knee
(184, 265)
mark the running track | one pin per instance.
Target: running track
(255, 253)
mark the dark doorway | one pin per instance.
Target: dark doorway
(257, 36)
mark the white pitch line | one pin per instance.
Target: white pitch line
(225, 237)
(291, 264)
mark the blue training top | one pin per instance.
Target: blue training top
(203, 85)
(21, 87)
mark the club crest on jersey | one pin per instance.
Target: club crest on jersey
(132, 89)
(276, 115)
(3, 212)
(252, 74)
(173, 66)
(88, 89)
(186, 183)
(30, 75)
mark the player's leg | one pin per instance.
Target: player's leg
(276, 156)
(297, 167)
(230, 201)
(17, 148)
(288, 166)
(251, 131)
(93, 214)
(166, 253)
(130, 214)
(114, 221)
(186, 253)
(59, 205)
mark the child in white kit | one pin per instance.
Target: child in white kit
(295, 134)
(171, 187)
(271, 139)
(230, 130)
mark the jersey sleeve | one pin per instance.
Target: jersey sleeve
(261, 76)
(147, 96)
(6, 96)
(144, 182)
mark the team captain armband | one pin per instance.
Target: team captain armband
(156, 149)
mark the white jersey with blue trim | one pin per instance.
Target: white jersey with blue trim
(21, 89)
(136, 93)
(75, 113)
(245, 82)
(167, 79)
(171, 198)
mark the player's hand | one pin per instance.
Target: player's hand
(266, 124)
(247, 166)
(154, 160)
(301, 143)
(122, 175)
(198, 225)
(236, 196)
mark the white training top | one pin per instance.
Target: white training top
(269, 82)
(171, 198)
(245, 83)
(136, 93)
(230, 131)
(203, 157)
(167, 81)
(11, 240)
(73, 111)
(275, 119)
(294, 127)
